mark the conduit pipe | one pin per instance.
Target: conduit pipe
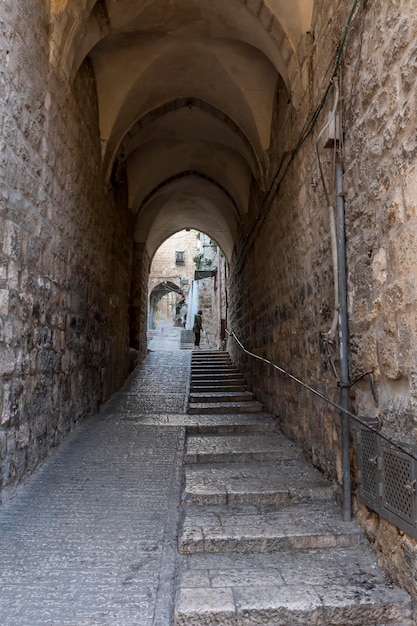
(343, 340)
(340, 317)
(333, 238)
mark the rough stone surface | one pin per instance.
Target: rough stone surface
(64, 263)
(250, 529)
(72, 282)
(239, 447)
(90, 538)
(268, 483)
(281, 282)
(245, 531)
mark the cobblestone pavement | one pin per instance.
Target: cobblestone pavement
(90, 539)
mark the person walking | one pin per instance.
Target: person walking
(197, 328)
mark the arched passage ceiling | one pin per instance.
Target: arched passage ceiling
(162, 289)
(192, 202)
(186, 91)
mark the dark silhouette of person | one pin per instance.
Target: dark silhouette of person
(197, 328)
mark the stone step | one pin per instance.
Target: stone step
(221, 396)
(212, 378)
(262, 540)
(247, 529)
(198, 357)
(218, 382)
(261, 484)
(224, 423)
(218, 362)
(214, 354)
(210, 370)
(225, 407)
(335, 586)
(219, 366)
(208, 388)
(240, 447)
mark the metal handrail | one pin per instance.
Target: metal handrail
(362, 420)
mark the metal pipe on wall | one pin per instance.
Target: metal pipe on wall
(343, 341)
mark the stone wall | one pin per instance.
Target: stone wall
(282, 293)
(64, 254)
(138, 314)
(381, 222)
(381, 187)
(164, 264)
(281, 284)
(208, 303)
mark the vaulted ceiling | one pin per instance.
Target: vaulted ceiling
(186, 91)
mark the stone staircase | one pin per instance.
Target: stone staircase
(261, 539)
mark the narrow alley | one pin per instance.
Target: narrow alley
(181, 503)
(255, 160)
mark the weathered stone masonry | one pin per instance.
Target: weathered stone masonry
(288, 299)
(288, 295)
(68, 243)
(64, 264)
(381, 188)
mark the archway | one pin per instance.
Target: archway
(172, 307)
(188, 273)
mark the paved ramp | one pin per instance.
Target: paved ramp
(90, 540)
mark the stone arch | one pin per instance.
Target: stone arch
(160, 288)
(72, 20)
(182, 137)
(156, 293)
(254, 157)
(187, 174)
(76, 27)
(263, 10)
(240, 82)
(187, 202)
(265, 27)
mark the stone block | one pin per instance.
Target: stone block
(278, 605)
(4, 302)
(7, 361)
(205, 607)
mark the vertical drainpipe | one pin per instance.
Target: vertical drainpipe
(343, 340)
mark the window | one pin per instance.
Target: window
(180, 258)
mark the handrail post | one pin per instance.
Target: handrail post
(343, 341)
